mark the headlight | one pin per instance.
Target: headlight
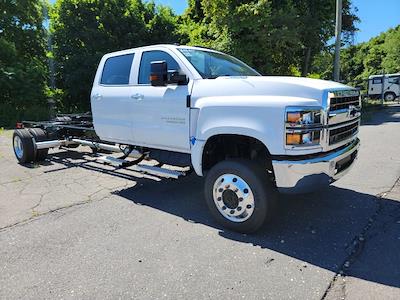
(306, 117)
(303, 126)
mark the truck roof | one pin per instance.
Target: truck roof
(150, 47)
(386, 75)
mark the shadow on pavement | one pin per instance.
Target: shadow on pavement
(325, 229)
(387, 114)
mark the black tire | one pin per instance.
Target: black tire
(390, 96)
(40, 136)
(264, 194)
(25, 151)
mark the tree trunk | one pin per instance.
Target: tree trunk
(306, 65)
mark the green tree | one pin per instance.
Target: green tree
(317, 26)
(391, 61)
(274, 36)
(23, 69)
(250, 30)
(84, 30)
(379, 54)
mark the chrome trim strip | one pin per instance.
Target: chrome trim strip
(319, 159)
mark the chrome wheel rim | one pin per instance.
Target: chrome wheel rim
(233, 197)
(389, 97)
(18, 147)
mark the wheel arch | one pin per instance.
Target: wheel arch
(220, 146)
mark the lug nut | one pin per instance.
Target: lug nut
(220, 190)
(232, 212)
(219, 198)
(248, 206)
(239, 208)
(240, 199)
(223, 207)
(234, 179)
(245, 191)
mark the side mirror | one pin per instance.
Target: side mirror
(158, 73)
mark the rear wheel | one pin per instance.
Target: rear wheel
(240, 195)
(390, 96)
(40, 136)
(23, 146)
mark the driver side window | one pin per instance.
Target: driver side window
(150, 56)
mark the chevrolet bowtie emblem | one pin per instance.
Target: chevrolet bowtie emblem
(352, 111)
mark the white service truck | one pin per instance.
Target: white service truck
(390, 83)
(251, 136)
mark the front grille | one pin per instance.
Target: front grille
(344, 102)
(340, 134)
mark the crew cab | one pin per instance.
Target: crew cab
(251, 136)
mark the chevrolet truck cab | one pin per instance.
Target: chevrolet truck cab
(251, 136)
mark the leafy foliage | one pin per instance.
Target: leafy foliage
(84, 30)
(23, 69)
(380, 54)
(274, 36)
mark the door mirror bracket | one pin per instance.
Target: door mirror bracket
(174, 77)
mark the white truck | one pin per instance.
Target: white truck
(251, 136)
(390, 84)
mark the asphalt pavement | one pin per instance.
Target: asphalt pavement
(72, 228)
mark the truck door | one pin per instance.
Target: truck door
(160, 114)
(394, 84)
(375, 86)
(111, 102)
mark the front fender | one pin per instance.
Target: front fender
(262, 124)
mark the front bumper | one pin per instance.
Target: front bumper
(306, 175)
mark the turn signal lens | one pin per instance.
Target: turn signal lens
(306, 138)
(293, 117)
(153, 77)
(293, 139)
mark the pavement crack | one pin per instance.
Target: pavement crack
(357, 246)
(39, 215)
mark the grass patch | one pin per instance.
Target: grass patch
(5, 132)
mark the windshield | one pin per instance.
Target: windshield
(211, 65)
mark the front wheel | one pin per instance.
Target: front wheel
(390, 96)
(240, 195)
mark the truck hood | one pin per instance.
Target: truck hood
(296, 87)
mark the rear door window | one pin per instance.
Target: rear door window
(117, 69)
(377, 80)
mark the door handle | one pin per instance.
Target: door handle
(97, 96)
(137, 96)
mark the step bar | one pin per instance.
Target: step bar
(152, 170)
(110, 160)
